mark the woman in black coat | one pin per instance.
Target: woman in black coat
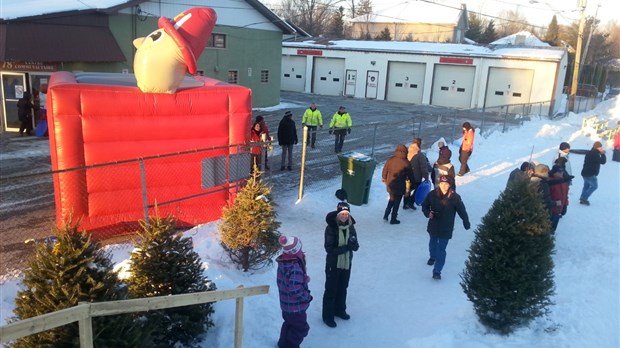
(287, 137)
(340, 243)
(440, 207)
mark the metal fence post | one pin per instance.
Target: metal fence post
(145, 204)
(374, 138)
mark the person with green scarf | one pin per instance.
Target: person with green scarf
(340, 243)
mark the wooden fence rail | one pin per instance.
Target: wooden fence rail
(84, 312)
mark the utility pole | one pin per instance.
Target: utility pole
(575, 82)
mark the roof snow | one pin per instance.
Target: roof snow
(522, 38)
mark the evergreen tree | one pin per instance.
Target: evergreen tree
(66, 271)
(552, 37)
(165, 263)
(489, 34)
(508, 275)
(385, 35)
(249, 229)
(475, 28)
(336, 26)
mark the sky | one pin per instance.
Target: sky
(538, 12)
(392, 299)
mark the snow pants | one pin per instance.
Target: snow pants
(294, 329)
(335, 296)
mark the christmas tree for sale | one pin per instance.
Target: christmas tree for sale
(249, 229)
(508, 275)
(165, 263)
(64, 271)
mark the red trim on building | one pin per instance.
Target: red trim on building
(310, 52)
(456, 60)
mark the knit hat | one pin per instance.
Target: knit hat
(341, 194)
(259, 118)
(288, 113)
(564, 145)
(290, 245)
(343, 206)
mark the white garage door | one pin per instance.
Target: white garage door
(293, 73)
(508, 86)
(405, 82)
(328, 76)
(453, 85)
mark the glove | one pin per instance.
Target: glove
(558, 203)
(466, 225)
(564, 210)
(295, 142)
(433, 215)
(321, 126)
(308, 280)
(348, 130)
(331, 131)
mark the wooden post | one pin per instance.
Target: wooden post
(86, 328)
(239, 322)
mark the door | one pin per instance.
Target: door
(453, 86)
(13, 88)
(406, 82)
(293, 73)
(328, 76)
(508, 87)
(372, 81)
(349, 88)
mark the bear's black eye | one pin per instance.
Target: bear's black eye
(155, 36)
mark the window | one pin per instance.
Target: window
(233, 76)
(264, 76)
(217, 41)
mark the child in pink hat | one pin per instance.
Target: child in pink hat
(294, 292)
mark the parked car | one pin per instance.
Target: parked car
(585, 90)
(613, 93)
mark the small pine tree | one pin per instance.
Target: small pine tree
(64, 272)
(384, 35)
(489, 35)
(164, 263)
(249, 229)
(508, 275)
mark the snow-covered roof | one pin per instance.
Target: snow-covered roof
(412, 12)
(28, 8)
(522, 38)
(550, 53)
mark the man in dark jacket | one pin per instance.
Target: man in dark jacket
(287, 137)
(523, 173)
(440, 207)
(591, 166)
(340, 243)
(395, 172)
(24, 113)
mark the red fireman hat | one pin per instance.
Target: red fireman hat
(190, 30)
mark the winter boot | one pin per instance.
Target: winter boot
(386, 214)
(431, 261)
(436, 275)
(343, 315)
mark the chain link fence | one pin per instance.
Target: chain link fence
(111, 198)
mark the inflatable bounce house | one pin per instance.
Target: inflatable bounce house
(102, 123)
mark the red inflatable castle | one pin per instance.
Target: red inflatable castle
(97, 119)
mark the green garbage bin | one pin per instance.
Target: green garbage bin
(357, 170)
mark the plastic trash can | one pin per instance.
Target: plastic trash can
(357, 170)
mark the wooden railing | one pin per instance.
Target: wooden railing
(84, 312)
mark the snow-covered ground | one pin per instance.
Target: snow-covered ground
(393, 302)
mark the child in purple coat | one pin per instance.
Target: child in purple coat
(294, 292)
